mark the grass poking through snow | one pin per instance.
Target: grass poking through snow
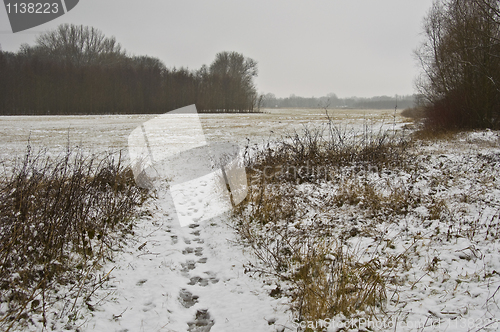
(363, 225)
(60, 218)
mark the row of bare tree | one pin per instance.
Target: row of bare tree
(331, 100)
(460, 58)
(77, 70)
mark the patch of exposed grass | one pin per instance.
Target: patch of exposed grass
(348, 221)
(60, 218)
(319, 154)
(332, 280)
(308, 250)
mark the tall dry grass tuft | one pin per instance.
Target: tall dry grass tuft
(296, 239)
(60, 218)
(332, 280)
(317, 154)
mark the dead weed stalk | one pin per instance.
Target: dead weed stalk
(60, 218)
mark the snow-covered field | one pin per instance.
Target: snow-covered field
(104, 132)
(172, 278)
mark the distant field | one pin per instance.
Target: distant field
(104, 132)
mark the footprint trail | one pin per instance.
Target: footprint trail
(173, 278)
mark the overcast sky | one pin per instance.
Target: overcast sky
(307, 48)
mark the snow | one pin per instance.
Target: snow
(172, 278)
(151, 289)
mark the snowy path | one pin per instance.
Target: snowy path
(173, 278)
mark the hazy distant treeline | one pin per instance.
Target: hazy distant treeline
(77, 70)
(332, 101)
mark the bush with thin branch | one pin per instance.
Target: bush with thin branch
(59, 219)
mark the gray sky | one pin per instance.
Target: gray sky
(307, 48)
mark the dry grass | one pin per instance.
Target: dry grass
(322, 205)
(332, 280)
(325, 274)
(434, 134)
(318, 154)
(59, 220)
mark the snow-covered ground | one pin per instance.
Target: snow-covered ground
(430, 229)
(172, 278)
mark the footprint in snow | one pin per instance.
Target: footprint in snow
(204, 281)
(187, 299)
(148, 306)
(188, 265)
(198, 251)
(187, 250)
(202, 322)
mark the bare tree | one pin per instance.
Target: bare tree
(79, 45)
(460, 60)
(232, 75)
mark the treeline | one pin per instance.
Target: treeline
(332, 101)
(460, 60)
(77, 70)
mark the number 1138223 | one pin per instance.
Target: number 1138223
(32, 8)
